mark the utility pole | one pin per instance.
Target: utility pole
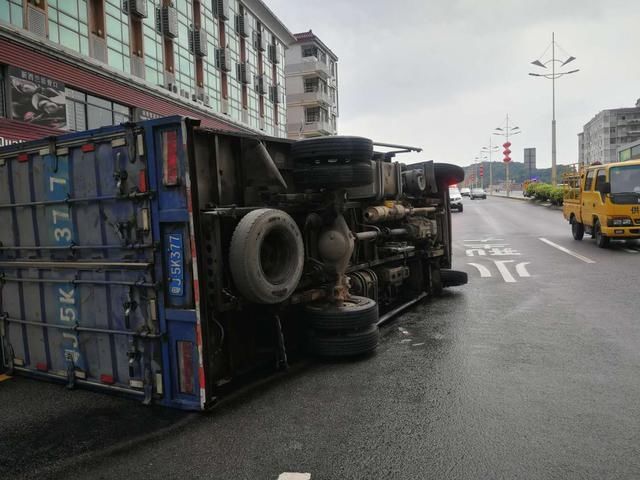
(490, 149)
(506, 132)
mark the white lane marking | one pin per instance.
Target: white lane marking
(403, 331)
(504, 271)
(417, 344)
(484, 271)
(521, 269)
(484, 240)
(566, 250)
(630, 250)
(294, 476)
(406, 340)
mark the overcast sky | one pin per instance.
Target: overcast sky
(442, 74)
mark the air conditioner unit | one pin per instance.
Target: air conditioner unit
(259, 41)
(136, 7)
(242, 25)
(221, 9)
(223, 59)
(261, 84)
(244, 73)
(201, 97)
(169, 21)
(273, 54)
(276, 95)
(36, 20)
(198, 42)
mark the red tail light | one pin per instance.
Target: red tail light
(23, 157)
(88, 147)
(170, 157)
(142, 181)
(185, 366)
(42, 366)
(107, 379)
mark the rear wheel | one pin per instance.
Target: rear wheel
(354, 313)
(453, 278)
(333, 147)
(460, 208)
(601, 240)
(345, 345)
(577, 229)
(335, 175)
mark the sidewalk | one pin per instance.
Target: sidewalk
(517, 195)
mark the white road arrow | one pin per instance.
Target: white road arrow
(484, 271)
(504, 271)
(521, 269)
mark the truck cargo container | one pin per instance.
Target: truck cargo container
(170, 263)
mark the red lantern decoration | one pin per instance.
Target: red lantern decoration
(506, 152)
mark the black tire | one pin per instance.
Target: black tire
(577, 229)
(266, 256)
(356, 313)
(335, 175)
(601, 240)
(460, 208)
(447, 174)
(346, 345)
(354, 149)
(453, 278)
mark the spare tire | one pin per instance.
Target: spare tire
(345, 345)
(333, 147)
(266, 257)
(354, 313)
(335, 175)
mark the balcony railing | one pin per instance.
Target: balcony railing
(309, 65)
(316, 96)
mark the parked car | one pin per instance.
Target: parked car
(465, 192)
(478, 193)
(455, 199)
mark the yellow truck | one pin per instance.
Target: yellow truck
(604, 201)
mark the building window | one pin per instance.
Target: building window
(310, 51)
(11, 12)
(117, 29)
(316, 114)
(312, 114)
(85, 112)
(68, 25)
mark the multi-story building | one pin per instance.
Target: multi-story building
(80, 64)
(312, 87)
(608, 130)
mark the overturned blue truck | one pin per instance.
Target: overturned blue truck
(170, 263)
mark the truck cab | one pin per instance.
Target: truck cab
(604, 201)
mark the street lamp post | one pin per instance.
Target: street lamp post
(506, 131)
(481, 157)
(490, 149)
(553, 76)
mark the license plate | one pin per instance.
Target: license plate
(175, 261)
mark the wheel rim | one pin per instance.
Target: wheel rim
(276, 261)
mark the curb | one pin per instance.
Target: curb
(531, 201)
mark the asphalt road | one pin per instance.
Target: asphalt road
(531, 371)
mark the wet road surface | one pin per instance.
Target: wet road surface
(531, 371)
